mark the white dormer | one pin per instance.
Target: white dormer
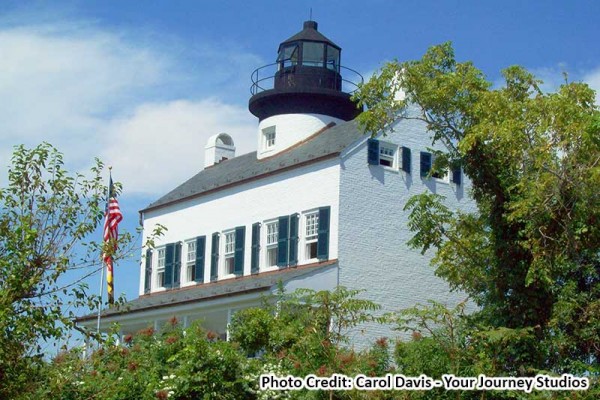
(218, 148)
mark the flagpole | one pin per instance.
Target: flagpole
(102, 258)
(101, 292)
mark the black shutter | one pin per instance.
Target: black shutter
(293, 243)
(254, 266)
(323, 238)
(282, 242)
(406, 159)
(425, 163)
(200, 251)
(214, 259)
(373, 151)
(169, 253)
(148, 274)
(456, 175)
(240, 244)
(176, 264)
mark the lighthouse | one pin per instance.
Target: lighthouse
(304, 91)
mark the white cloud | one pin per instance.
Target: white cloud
(57, 84)
(592, 78)
(162, 145)
(145, 108)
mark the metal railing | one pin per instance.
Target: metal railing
(263, 78)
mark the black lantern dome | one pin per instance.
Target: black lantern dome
(305, 79)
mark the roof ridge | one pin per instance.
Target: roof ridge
(323, 144)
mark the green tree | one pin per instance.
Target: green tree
(46, 218)
(307, 332)
(530, 256)
(171, 364)
(445, 341)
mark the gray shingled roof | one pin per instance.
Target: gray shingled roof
(207, 291)
(325, 144)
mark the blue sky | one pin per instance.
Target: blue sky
(142, 85)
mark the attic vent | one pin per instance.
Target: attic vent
(224, 139)
(219, 148)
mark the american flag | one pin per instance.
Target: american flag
(112, 217)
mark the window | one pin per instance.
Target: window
(312, 54)
(229, 252)
(269, 138)
(271, 245)
(288, 56)
(387, 154)
(382, 153)
(333, 58)
(441, 175)
(311, 235)
(427, 162)
(301, 237)
(160, 268)
(191, 261)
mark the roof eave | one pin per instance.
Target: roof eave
(303, 269)
(249, 179)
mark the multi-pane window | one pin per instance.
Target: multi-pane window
(269, 136)
(441, 174)
(387, 154)
(272, 237)
(311, 235)
(270, 139)
(191, 261)
(160, 268)
(427, 162)
(229, 252)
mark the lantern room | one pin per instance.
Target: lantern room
(308, 59)
(305, 79)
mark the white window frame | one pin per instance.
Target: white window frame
(161, 255)
(269, 138)
(310, 225)
(385, 148)
(270, 245)
(190, 264)
(443, 179)
(228, 254)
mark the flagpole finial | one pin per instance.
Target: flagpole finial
(110, 167)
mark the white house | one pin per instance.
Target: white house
(319, 204)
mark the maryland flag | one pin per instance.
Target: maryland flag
(112, 217)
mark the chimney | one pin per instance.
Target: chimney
(218, 148)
